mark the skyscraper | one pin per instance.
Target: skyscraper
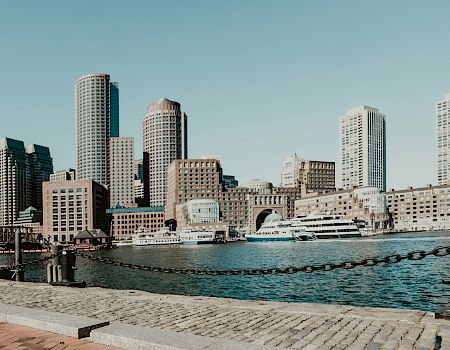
(97, 119)
(363, 148)
(41, 167)
(165, 139)
(22, 171)
(121, 170)
(443, 139)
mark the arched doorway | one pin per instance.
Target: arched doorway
(262, 216)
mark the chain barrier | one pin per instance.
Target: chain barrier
(346, 265)
(28, 263)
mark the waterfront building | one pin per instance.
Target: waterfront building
(96, 119)
(71, 207)
(40, 165)
(362, 139)
(420, 209)
(316, 176)
(122, 222)
(63, 175)
(365, 203)
(264, 199)
(165, 139)
(22, 171)
(229, 181)
(190, 179)
(121, 171)
(443, 139)
(289, 174)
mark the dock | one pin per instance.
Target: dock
(144, 320)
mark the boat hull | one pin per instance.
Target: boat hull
(268, 239)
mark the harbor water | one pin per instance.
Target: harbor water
(408, 284)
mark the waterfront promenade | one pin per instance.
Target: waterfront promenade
(217, 323)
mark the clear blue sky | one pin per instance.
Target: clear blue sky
(259, 80)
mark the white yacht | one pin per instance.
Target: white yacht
(196, 237)
(122, 243)
(276, 230)
(281, 231)
(325, 226)
(143, 236)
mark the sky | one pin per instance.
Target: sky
(259, 80)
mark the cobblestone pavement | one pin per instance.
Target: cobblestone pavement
(276, 324)
(14, 337)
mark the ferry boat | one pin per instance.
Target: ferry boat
(278, 231)
(196, 237)
(328, 226)
(143, 237)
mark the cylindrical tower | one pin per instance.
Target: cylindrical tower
(92, 118)
(165, 139)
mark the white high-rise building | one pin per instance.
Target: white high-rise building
(289, 174)
(165, 139)
(121, 171)
(97, 119)
(362, 139)
(443, 139)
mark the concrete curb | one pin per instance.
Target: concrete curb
(55, 322)
(142, 338)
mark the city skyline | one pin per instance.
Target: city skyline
(303, 93)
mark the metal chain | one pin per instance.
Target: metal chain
(28, 263)
(346, 265)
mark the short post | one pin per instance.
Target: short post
(18, 255)
(61, 271)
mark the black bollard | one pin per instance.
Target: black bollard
(18, 255)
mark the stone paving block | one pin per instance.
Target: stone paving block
(69, 325)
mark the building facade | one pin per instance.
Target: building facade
(316, 176)
(96, 120)
(22, 171)
(71, 207)
(121, 171)
(124, 221)
(362, 140)
(229, 181)
(420, 209)
(365, 203)
(64, 175)
(443, 139)
(40, 164)
(190, 179)
(165, 139)
(289, 174)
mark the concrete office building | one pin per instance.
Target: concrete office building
(165, 139)
(71, 207)
(123, 222)
(96, 119)
(121, 171)
(420, 209)
(443, 139)
(22, 171)
(316, 176)
(362, 140)
(190, 179)
(63, 175)
(364, 203)
(289, 174)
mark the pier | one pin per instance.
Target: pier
(144, 320)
